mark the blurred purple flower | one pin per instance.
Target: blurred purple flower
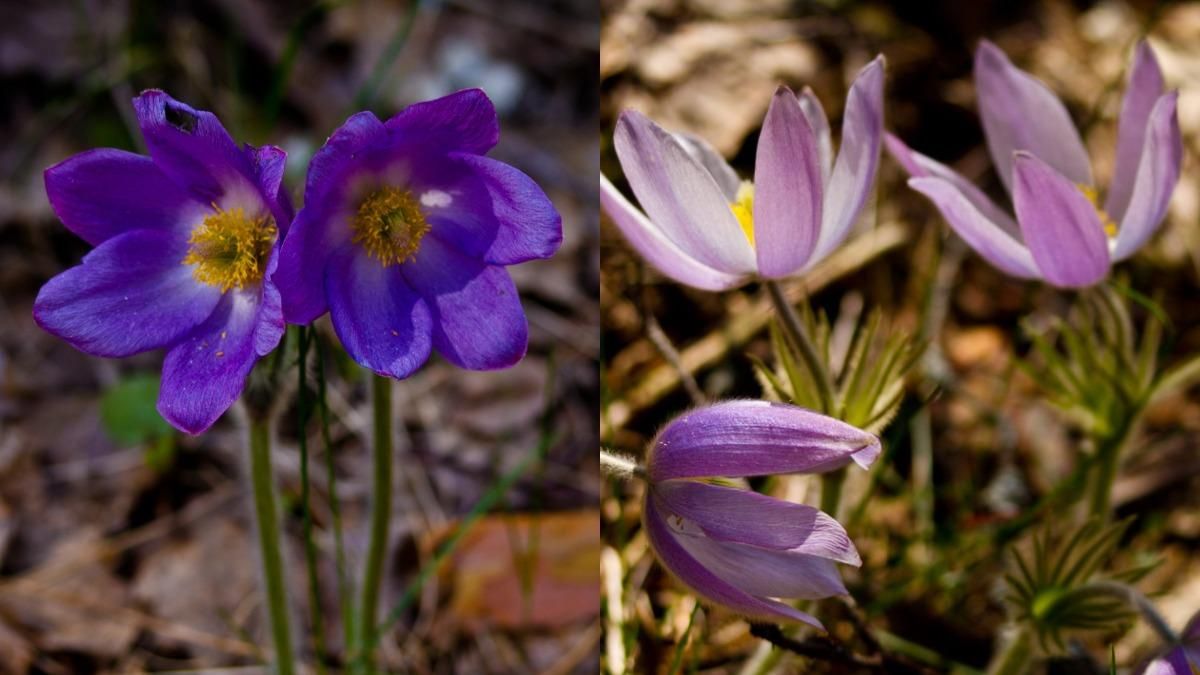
(709, 230)
(1061, 234)
(1183, 658)
(404, 236)
(185, 242)
(739, 548)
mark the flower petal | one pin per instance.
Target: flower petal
(787, 189)
(680, 196)
(464, 121)
(1144, 89)
(756, 438)
(705, 582)
(131, 294)
(192, 148)
(102, 193)
(205, 373)
(339, 158)
(384, 325)
(270, 163)
(920, 166)
(814, 112)
(704, 153)
(986, 237)
(747, 517)
(478, 322)
(1157, 174)
(1021, 113)
(1059, 224)
(491, 211)
(857, 160)
(761, 572)
(656, 248)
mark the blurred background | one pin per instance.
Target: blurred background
(976, 443)
(125, 547)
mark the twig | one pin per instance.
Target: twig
(662, 342)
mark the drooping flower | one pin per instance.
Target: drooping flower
(1061, 233)
(404, 236)
(736, 547)
(707, 229)
(1180, 659)
(186, 240)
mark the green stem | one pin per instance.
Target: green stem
(381, 510)
(1108, 459)
(310, 544)
(268, 540)
(345, 590)
(1016, 655)
(831, 491)
(808, 351)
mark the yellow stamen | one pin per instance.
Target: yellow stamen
(390, 225)
(743, 209)
(1093, 196)
(230, 249)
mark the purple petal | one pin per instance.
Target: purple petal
(758, 571)
(986, 237)
(131, 294)
(657, 249)
(478, 322)
(705, 582)
(857, 160)
(680, 196)
(708, 157)
(814, 112)
(787, 189)
(464, 121)
(102, 193)
(491, 211)
(270, 324)
(1157, 175)
(205, 373)
(338, 160)
(1021, 113)
(1144, 89)
(1060, 225)
(756, 438)
(747, 517)
(920, 166)
(192, 148)
(383, 324)
(270, 164)
(1175, 662)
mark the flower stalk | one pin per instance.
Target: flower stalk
(381, 510)
(269, 544)
(808, 351)
(1015, 656)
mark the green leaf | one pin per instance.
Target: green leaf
(128, 413)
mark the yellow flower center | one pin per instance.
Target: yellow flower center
(743, 209)
(1093, 196)
(390, 225)
(230, 249)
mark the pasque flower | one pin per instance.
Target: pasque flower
(186, 240)
(1182, 658)
(404, 236)
(1061, 234)
(707, 229)
(736, 547)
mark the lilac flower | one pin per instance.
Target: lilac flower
(709, 230)
(1061, 234)
(1181, 659)
(404, 236)
(739, 548)
(185, 242)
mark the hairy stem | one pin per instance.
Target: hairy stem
(381, 510)
(1014, 658)
(619, 465)
(268, 540)
(808, 351)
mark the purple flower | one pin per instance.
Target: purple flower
(709, 230)
(1181, 659)
(185, 242)
(739, 548)
(404, 236)
(1061, 234)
